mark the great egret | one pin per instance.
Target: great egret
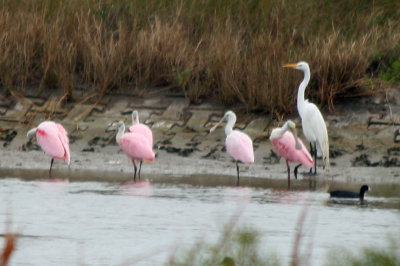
(238, 144)
(290, 147)
(313, 124)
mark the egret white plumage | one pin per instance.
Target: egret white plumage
(313, 124)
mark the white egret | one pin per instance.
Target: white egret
(313, 124)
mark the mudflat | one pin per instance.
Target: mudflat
(364, 139)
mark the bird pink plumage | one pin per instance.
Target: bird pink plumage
(135, 146)
(286, 148)
(53, 139)
(240, 147)
(237, 143)
(143, 130)
(285, 145)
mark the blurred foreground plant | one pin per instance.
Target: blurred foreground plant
(10, 241)
(389, 256)
(240, 247)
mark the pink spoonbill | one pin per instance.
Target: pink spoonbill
(143, 129)
(53, 139)
(135, 146)
(238, 144)
(290, 147)
(138, 127)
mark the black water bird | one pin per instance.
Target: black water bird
(349, 194)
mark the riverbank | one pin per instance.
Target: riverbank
(364, 144)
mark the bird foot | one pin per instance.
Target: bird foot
(309, 173)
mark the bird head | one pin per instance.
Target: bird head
(292, 127)
(118, 124)
(291, 124)
(365, 188)
(31, 133)
(302, 65)
(121, 129)
(229, 115)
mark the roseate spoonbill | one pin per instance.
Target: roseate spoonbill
(290, 147)
(313, 124)
(237, 143)
(134, 145)
(141, 129)
(350, 194)
(53, 139)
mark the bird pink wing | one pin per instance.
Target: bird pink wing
(240, 147)
(63, 136)
(286, 148)
(144, 130)
(49, 141)
(136, 147)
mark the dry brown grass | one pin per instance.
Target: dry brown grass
(232, 50)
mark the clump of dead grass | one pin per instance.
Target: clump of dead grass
(232, 50)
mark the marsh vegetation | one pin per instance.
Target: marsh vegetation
(230, 50)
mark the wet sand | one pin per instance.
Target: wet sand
(364, 142)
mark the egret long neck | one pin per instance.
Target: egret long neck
(121, 131)
(302, 88)
(229, 125)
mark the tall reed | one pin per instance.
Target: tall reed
(231, 50)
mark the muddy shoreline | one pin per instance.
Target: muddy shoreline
(364, 140)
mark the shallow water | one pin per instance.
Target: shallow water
(103, 223)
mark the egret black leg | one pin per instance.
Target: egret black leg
(134, 166)
(237, 169)
(295, 170)
(312, 154)
(288, 174)
(51, 165)
(140, 167)
(315, 158)
(313, 151)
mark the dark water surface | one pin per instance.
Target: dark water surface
(112, 223)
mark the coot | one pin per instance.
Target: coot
(349, 194)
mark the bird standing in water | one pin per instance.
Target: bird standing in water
(142, 129)
(290, 147)
(313, 124)
(135, 146)
(53, 139)
(350, 194)
(238, 144)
